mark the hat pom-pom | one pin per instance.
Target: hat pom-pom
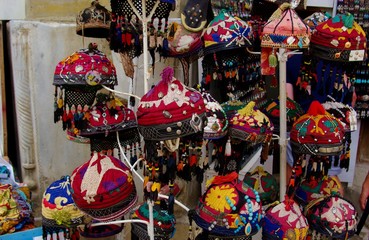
(316, 108)
(248, 110)
(167, 75)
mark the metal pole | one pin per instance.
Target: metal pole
(282, 58)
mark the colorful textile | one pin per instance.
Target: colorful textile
(293, 110)
(228, 208)
(317, 132)
(170, 110)
(263, 182)
(85, 67)
(103, 188)
(226, 32)
(251, 125)
(107, 115)
(332, 216)
(339, 39)
(312, 188)
(285, 221)
(285, 29)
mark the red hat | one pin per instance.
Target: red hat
(343, 112)
(317, 132)
(170, 110)
(107, 115)
(339, 39)
(285, 221)
(85, 67)
(103, 188)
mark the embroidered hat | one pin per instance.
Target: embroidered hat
(251, 125)
(285, 221)
(343, 112)
(227, 208)
(216, 124)
(164, 222)
(181, 42)
(317, 132)
(312, 188)
(226, 32)
(58, 209)
(285, 29)
(339, 39)
(107, 115)
(88, 67)
(77, 79)
(170, 110)
(332, 216)
(263, 182)
(293, 110)
(103, 188)
(94, 21)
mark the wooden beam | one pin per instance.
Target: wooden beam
(3, 124)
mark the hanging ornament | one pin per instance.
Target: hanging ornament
(273, 61)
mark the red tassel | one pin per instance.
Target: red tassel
(274, 82)
(316, 108)
(207, 79)
(193, 160)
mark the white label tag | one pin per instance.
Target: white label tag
(356, 55)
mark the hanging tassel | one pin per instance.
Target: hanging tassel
(228, 148)
(193, 160)
(272, 59)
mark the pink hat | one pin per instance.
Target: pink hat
(170, 110)
(85, 67)
(285, 29)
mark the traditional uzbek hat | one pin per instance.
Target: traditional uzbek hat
(164, 222)
(59, 212)
(77, 79)
(332, 216)
(250, 124)
(317, 132)
(103, 188)
(339, 39)
(107, 115)
(216, 124)
(229, 209)
(226, 32)
(285, 221)
(263, 182)
(313, 188)
(284, 29)
(99, 231)
(94, 21)
(170, 110)
(293, 110)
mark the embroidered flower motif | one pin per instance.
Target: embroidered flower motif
(216, 197)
